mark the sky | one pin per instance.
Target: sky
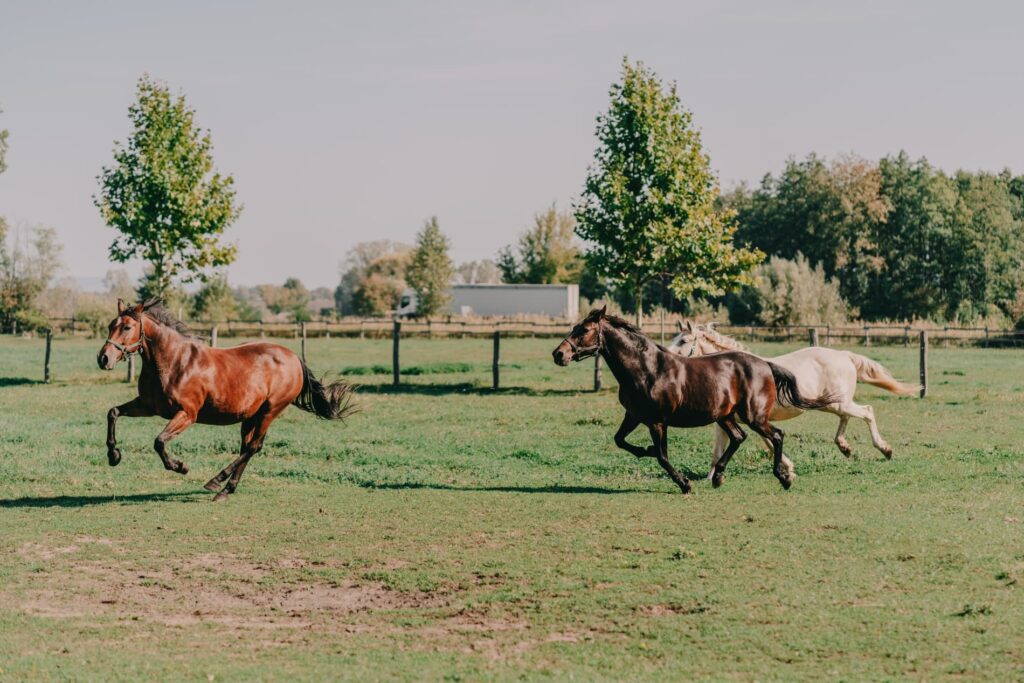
(344, 122)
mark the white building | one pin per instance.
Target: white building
(557, 301)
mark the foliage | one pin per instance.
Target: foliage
(3, 149)
(483, 272)
(354, 270)
(648, 207)
(431, 270)
(547, 252)
(215, 301)
(904, 239)
(290, 299)
(163, 196)
(382, 284)
(26, 268)
(791, 292)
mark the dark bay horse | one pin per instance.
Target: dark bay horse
(185, 381)
(661, 389)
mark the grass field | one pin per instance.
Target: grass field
(450, 532)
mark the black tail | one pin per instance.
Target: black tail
(331, 401)
(789, 394)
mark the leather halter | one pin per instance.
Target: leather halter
(131, 349)
(579, 354)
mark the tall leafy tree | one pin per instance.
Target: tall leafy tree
(215, 301)
(3, 149)
(291, 298)
(162, 194)
(355, 269)
(431, 270)
(26, 269)
(547, 252)
(648, 207)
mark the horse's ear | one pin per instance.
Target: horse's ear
(689, 326)
(679, 324)
(600, 314)
(711, 325)
(139, 309)
(120, 307)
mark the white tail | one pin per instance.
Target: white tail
(874, 373)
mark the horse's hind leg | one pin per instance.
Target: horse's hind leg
(179, 423)
(721, 441)
(659, 435)
(866, 413)
(770, 432)
(841, 442)
(736, 437)
(254, 430)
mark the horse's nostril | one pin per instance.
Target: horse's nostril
(103, 359)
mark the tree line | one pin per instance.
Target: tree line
(821, 241)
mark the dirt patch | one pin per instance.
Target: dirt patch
(207, 588)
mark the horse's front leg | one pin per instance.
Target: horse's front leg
(721, 441)
(659, 435)
(629, 423)
(133, 408)
(179, 423)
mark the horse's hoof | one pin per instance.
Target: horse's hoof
(223, 495)
(182, 468)
(786, 483)
(717, 479)
(114, 456)
(685, 487)
(212, 485)
(887, 452)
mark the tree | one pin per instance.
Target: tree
(483, 272)
(3, 149)
(792, 292)
(26, 269)
(648, 206)
(355, 267)
(431, 270)
(215, 301)
(292, 298)
(379, 291)
(162, 194)
(548, 252)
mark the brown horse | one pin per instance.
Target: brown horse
(661, 389)
(185, 381)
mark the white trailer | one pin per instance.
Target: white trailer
(556, 301)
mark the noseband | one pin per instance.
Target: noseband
(579, 354)
(130, 349)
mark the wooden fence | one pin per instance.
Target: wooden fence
(662, 330)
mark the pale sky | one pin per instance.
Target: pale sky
(345, 122)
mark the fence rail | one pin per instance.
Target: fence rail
(661, 330)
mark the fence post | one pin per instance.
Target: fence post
(497, 357)
(263, 333)
(924, 363)
(597, 372)
(906, 337)
(46, 363)
(828, 334)
(213, 337)
(362, 329)
(430, 329)
(986, 336)
(867, 336)
(814, 336)
(303, 341)
(396, 335)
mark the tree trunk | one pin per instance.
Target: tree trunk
(639, 304)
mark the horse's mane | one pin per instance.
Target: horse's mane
(155, 309)
(622, 324)
(722, 341)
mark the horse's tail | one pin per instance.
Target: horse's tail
(331, 401)
(875, 373)
(789, 394)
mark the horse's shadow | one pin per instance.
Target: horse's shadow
(86, 501)
(465, 388)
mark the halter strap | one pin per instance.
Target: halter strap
(131, 349)
(579, 354)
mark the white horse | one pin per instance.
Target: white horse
(819, 371)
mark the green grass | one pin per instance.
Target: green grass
(451, 532)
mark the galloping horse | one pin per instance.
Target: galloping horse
(661, 389)
(186, 382)
(818, 369)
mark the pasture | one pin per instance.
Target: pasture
(451, 532)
